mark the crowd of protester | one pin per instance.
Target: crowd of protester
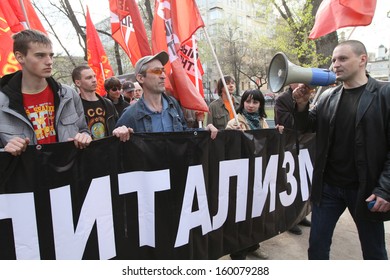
(350, 119)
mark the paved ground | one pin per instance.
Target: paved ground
(345, 246)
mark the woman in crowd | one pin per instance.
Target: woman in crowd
(251, 112)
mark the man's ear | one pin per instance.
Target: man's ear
(19, 57)
(364, 58)
(140, 78)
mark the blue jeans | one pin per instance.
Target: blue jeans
(323, 222)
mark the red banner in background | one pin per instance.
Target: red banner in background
(174, 23)
(128, 29)
(8, 62)
(334, 14)
(97, 58)
(16, 18)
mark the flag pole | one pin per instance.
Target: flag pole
(194, 53)
(221, 75)
(25, 14)
(195, 62)
(102, 69)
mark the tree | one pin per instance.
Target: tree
(233, 53)
(256, 64)
(299, 16)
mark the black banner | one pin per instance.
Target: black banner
(157, 196)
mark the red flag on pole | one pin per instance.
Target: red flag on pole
(335, 14)
(14, 17)
(97, 58)
(128, 29)
(21, 15)
(189, 56)
(175, 21)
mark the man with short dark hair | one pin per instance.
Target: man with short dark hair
(352, 164)
(99, 111)
(34, 108)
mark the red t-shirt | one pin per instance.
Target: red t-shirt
(39, 108)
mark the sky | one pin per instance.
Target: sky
(374, 35)
(378, 32)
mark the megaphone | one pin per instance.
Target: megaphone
(282, 72)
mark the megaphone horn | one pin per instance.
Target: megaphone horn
(282, 72)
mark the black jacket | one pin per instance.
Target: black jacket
(284, 109)
(372, 142)
(121, 105)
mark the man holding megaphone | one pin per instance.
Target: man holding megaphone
(352, 165)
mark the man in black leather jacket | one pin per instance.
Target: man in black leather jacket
(352, 165)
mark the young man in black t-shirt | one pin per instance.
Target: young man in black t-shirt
(100, 113)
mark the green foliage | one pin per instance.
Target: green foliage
(292, 28)
(270, 112)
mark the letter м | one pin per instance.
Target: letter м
(305, 165)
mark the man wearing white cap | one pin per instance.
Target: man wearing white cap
(155, 111)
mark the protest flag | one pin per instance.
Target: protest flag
(20, 15)
(8, 62)
(174, 23)
(97, 58)
(128, 29)
(334, 14)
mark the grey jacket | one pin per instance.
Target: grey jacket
(69, 113)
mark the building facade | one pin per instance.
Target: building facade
(230, 25)
(379, 64)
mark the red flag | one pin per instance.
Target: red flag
(175, 21)
(188, 58)
(128, 29)
(335, 14)
(13, 20)
(8, 62)
(21, 17)
(97, 58)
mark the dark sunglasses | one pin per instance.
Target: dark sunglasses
(115, 88)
